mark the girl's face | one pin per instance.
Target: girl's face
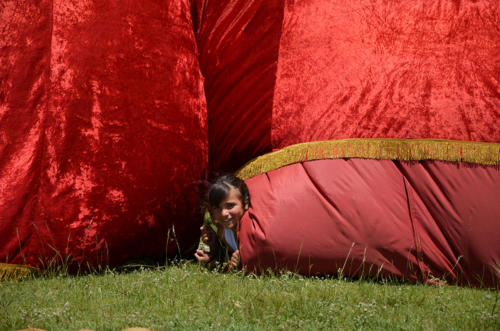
(230, 210)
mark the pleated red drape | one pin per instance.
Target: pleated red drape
(239, 45)
(103, 130)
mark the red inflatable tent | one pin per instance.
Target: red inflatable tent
(110, 112)
(362, 87)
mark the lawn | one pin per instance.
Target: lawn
(184, 296)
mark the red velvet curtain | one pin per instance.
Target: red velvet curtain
(239, 44)
(388, 69)
(347, 69)
(103, 130)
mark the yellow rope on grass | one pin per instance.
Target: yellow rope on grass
(15, 271)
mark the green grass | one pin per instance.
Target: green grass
(187, 297)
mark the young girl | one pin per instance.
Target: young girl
(228, 199)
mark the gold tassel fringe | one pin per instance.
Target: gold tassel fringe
(378, 149)
(15, 271)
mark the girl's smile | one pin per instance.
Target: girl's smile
(230, 210)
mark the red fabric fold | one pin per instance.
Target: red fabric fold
(238, 43)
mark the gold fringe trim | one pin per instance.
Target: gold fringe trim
(378, 149)
(15, 271)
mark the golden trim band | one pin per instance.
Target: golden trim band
(376, 148)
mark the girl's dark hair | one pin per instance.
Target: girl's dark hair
(220, 189)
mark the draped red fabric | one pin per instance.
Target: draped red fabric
(107, 110)
(359, 217)
(347, 69)
(103, 130)
(388, 69)
(238, 43)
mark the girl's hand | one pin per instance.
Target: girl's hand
(201, 256)
(235, 259)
